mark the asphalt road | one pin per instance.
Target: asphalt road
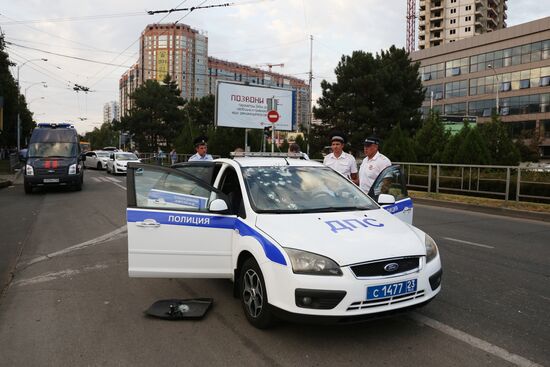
(71, 302)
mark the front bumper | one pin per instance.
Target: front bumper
(284, 287)
(119, 169)
(53, 180)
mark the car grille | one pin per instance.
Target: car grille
(377, 269)
(385, 301)
(51, 171)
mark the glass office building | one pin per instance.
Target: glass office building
(510, 66)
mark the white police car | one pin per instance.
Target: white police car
(298, 239)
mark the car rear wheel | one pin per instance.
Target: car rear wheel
(254, 295)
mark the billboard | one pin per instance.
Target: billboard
(253, 107)
(162, 64)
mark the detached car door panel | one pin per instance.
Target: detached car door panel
(171, 233)
(391, 181)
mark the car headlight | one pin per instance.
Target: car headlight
(304, 262)
(72, 169)
(431, 248)
(119, 164)
(29, 171)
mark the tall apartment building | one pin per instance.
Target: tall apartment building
(507, 71)
(182, 52)
(111, 111)
(446, 21)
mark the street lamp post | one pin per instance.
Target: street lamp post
(19, 105)
(489, 66)
(32, 85)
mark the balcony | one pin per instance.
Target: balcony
(436, 7)
(422, 33)
(492, 13)
(492, 23)
(437, 27)
(422, 23)
(437, 16)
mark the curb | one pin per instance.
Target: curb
(545, 217)
(5, 183)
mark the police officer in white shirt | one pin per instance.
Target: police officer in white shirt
(201, 149)
(341, 161)
(372, 165)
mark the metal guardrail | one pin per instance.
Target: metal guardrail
(532, 182)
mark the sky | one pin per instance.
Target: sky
(92, 43)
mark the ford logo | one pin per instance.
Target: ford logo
(391, 267)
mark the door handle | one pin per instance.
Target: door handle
(407, 209)
(148, 223)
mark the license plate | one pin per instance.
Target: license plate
(391, 290)
(51, 180)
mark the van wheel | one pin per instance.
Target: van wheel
(28, 188)
(254, 295)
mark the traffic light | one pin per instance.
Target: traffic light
(267, 131)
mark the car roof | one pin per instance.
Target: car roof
(272, 161)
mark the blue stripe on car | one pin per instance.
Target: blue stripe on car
(271, 251)
(399, 206)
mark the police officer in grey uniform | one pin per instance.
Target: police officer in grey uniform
(201, 150)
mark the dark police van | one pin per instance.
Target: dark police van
(53, 158)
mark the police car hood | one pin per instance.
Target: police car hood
(345, 237)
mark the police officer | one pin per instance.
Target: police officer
(200, 149)
(373, 164)
(339, 160)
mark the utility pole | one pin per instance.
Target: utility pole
(310, 112)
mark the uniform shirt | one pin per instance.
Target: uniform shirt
(198, 157)
(370, 169)
(345, 164)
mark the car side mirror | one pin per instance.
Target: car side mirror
(386, 199)
(218, 205)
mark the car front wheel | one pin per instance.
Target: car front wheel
(254, 295)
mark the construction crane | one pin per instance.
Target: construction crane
(270, 65)
(411, 17)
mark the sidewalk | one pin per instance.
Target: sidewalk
(8, 179)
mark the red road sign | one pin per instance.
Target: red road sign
(273, 116)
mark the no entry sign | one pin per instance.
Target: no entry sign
(273, 116)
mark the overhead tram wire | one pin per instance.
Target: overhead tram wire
(73, 19)
(134, 55)
(50, 34)
(106, 63)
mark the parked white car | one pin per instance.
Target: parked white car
(299, 240)
(96, 159)
(119, 160)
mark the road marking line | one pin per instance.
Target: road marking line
(47, 277)
(467, 242)
(113, 179)
(96, 179)
(474, 342)
(113, 235)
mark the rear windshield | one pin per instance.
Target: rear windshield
(48, 135)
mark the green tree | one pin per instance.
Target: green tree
(371, 93)
(13, 102)
(473, 149)
(454, 143)
(156, 117)
(398, 147)
(105, 136)
(501, 148)
(430, 140)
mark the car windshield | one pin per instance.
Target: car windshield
(43, 150)
(288, 189)
(102, 154)
(126, 157)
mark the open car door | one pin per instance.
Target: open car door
(178, 226)
(391, 181)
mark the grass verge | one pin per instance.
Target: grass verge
(496, 203)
